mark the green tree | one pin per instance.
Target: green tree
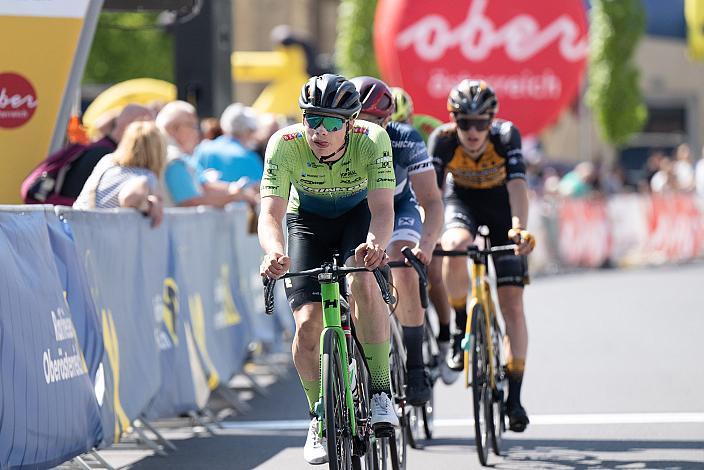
(355, 40)
(614, 93)
(129, 45)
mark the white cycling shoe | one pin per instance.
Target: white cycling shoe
(447, 375)
(382, 411)
(315, 451)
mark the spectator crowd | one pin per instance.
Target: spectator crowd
(157, 156)
(152, 157)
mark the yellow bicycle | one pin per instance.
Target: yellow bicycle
(484, 359)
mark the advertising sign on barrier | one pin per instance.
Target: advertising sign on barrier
(48, 410)
(109, 245)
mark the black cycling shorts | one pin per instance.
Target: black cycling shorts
(468, 209)
(313, 239)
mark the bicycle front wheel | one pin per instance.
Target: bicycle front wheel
(337, 432)
(497, 396)
(481, 388)
(399, 447)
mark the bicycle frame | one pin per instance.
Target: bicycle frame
(481, 294)
(332, 320)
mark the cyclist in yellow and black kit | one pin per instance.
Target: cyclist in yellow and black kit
(479, 162)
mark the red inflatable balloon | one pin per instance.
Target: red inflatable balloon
(532, 52)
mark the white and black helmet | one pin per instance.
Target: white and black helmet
(330, 94)
(472, 97)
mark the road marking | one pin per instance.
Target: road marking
(545, 420)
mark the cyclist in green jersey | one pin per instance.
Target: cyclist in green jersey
(332, 177)
(425, 125)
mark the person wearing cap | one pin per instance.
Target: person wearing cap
(228, 157)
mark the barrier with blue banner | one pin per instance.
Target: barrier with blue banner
(48, 409)
(124, 319)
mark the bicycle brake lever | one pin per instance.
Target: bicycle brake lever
(381, 276)
(422, 274)
(268, 294)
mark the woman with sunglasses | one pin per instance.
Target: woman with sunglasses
(333, 179)
(479, 159)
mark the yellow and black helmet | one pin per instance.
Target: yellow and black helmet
(472, 97)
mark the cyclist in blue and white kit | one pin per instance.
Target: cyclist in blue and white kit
(415, 186)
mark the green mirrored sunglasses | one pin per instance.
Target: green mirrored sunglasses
(330, 123)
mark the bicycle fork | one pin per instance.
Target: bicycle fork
(332, 320)
(481, 295)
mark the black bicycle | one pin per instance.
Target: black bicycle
(408, 420)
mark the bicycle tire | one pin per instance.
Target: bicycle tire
(432, 361)
(399, 448)
(481, 393)
(497, 422)
(339, 440)
(364, 459)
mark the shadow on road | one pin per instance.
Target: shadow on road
(582, 454)
(234, 449)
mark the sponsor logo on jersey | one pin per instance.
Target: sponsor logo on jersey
(361, 130)
(348, 173)
(292, 136)
(385, 158)
(403, 144)
(352, 189)
(405, 221)
(379, 180)
(306, 181)
(351, 181)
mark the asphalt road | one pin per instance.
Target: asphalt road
(614, 379)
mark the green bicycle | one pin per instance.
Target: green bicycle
(343, 409)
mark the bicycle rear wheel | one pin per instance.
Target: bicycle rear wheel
(337, 432)
(481, 389)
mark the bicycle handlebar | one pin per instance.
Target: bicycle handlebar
(333, 272)
(474, 249)
(415, 263)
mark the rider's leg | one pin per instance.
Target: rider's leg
(456, 279)
(511, 274)
(438, 296)
(412, 317)
(511, 302)
(372, 326)
(306, 349)
(408, 309)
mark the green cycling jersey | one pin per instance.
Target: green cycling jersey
(327, 189)
(425, 125)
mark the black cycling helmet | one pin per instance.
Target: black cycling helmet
(472, 97)
(330, 94)
(375, 95)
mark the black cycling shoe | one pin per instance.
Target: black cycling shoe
(455, 356)
(419, 388)
(517, 417)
